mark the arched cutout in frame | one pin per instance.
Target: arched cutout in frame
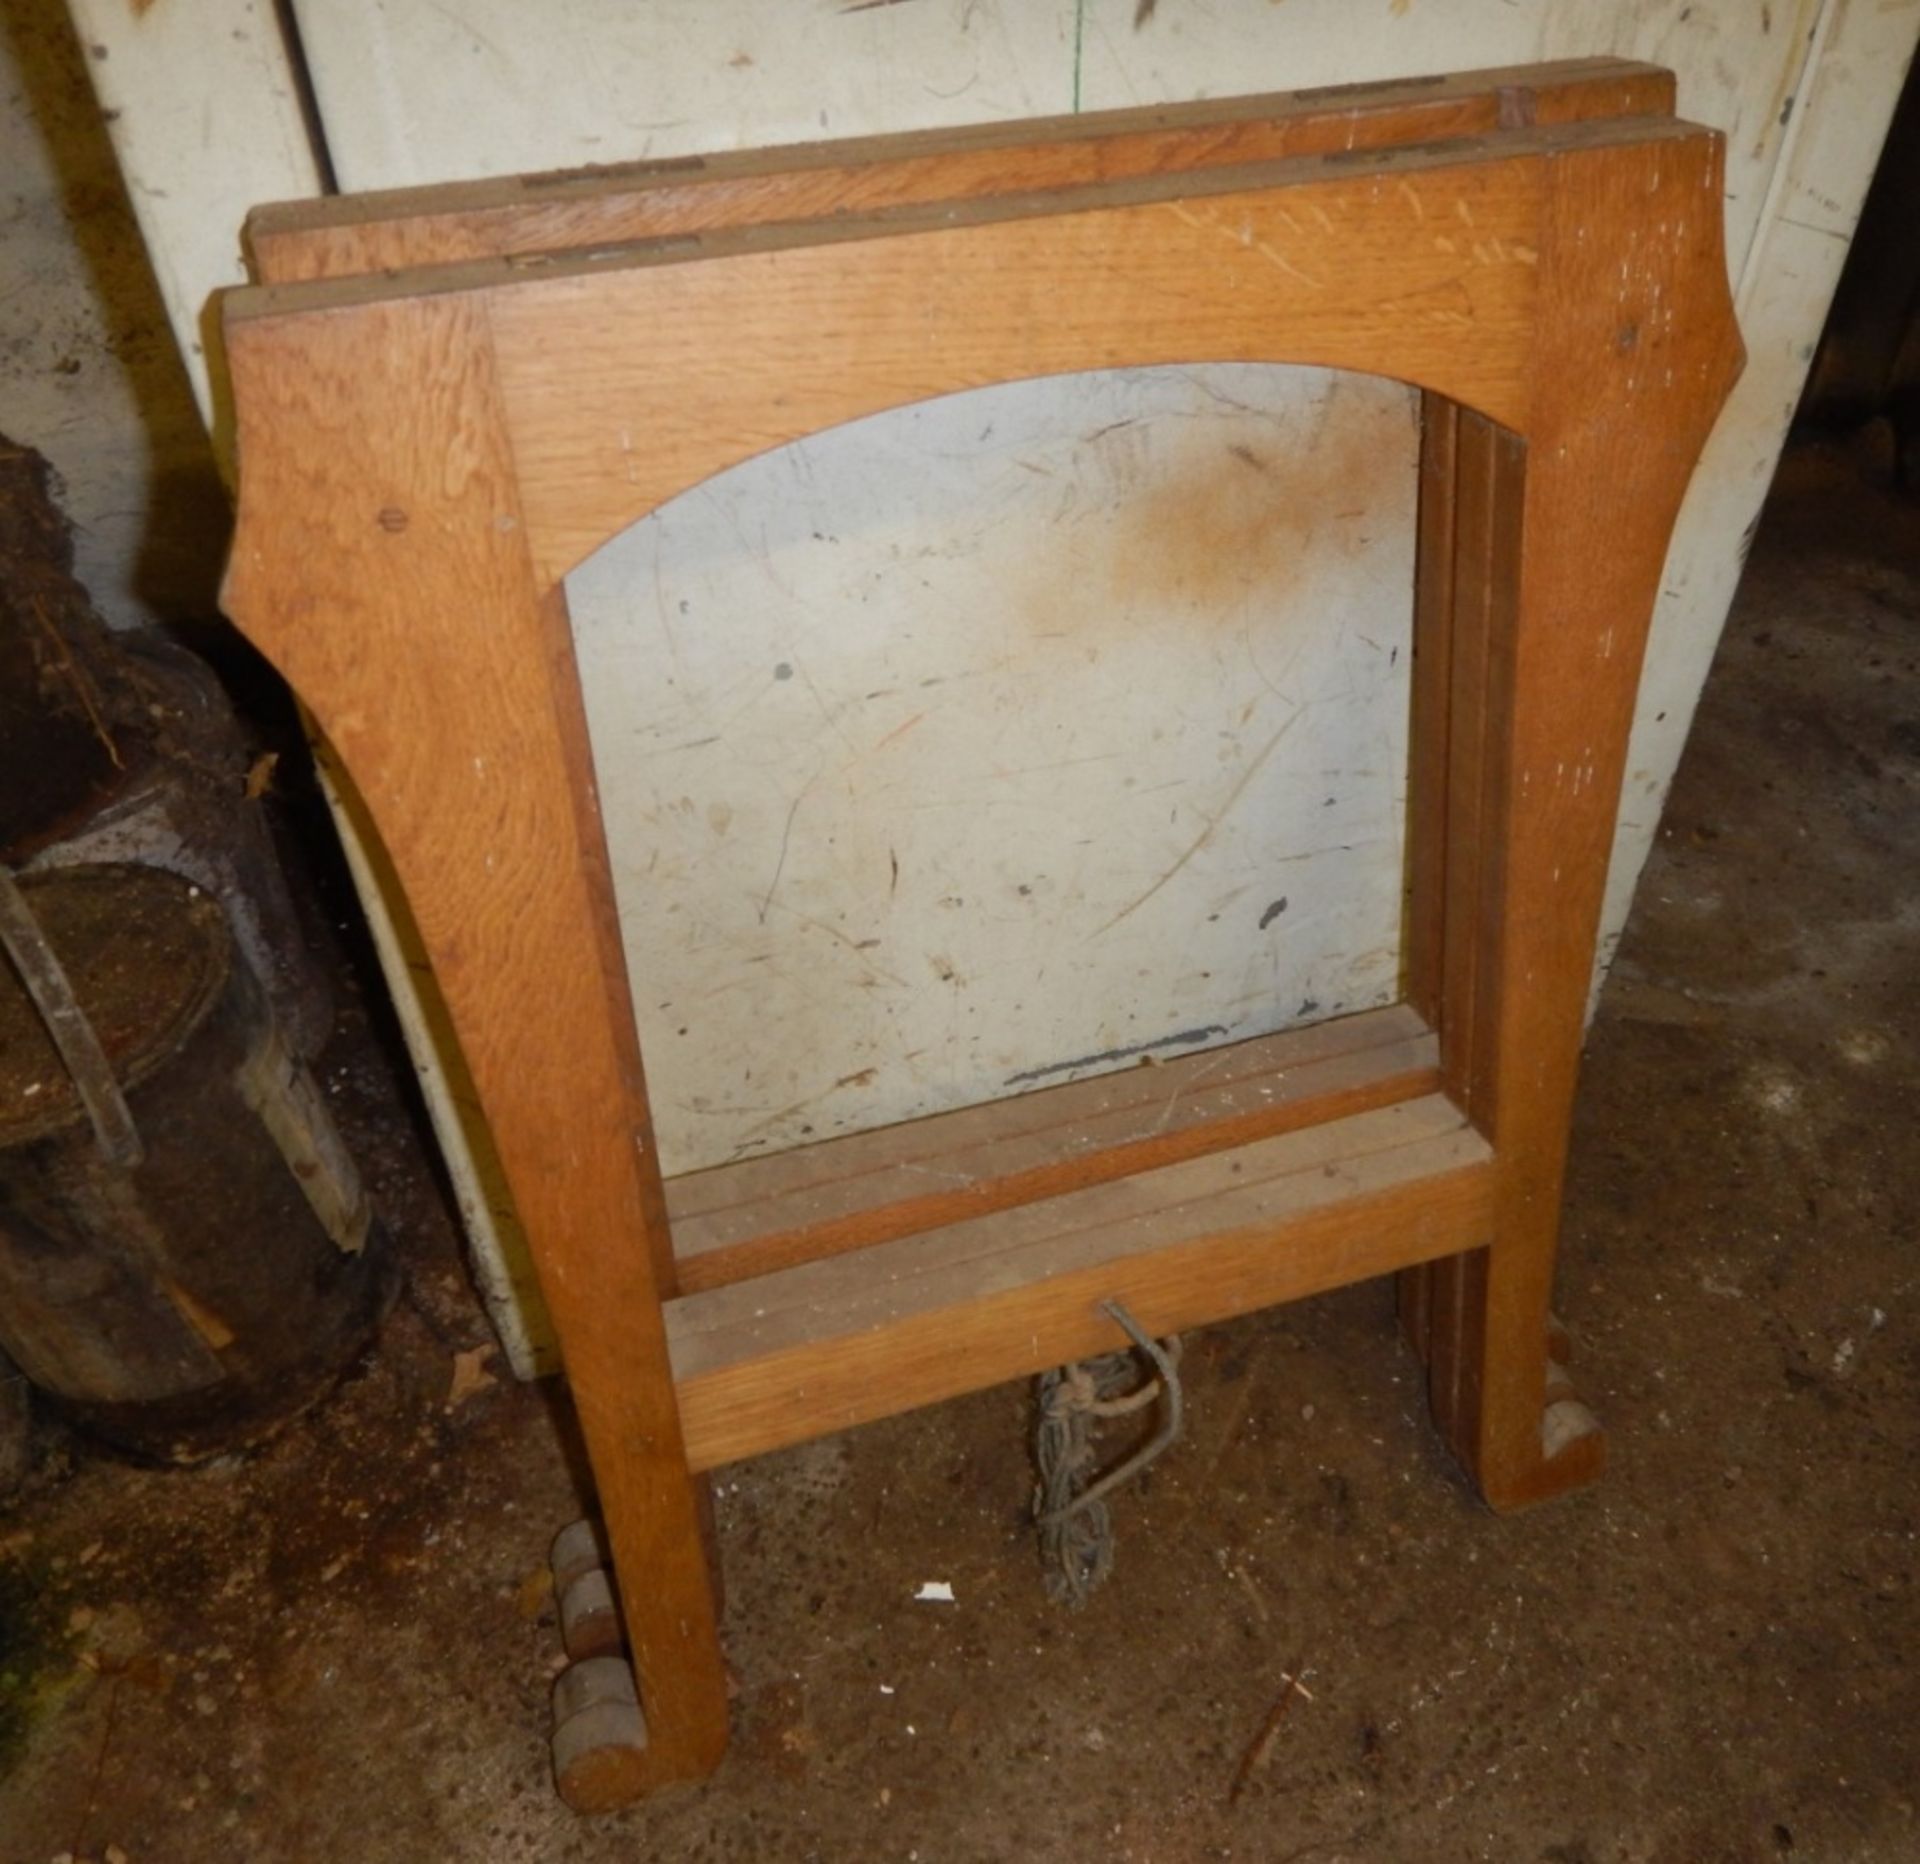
(424, 455)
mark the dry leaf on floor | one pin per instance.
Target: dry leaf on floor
(470, 1374)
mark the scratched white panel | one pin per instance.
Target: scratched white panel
(1857, 59)
(205, 118)
(994, 677)
(978, 744)
(814, 990)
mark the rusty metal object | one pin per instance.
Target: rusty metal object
(186, 1305)
(45, 981)
(123, 747)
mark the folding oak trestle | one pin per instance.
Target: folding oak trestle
(446, 399)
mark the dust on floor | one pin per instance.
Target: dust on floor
(340, 1648)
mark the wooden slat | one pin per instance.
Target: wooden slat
(1430, 707)
(1485, 501)
(403, 227)
(1430, 722)
(837, 1343)
(764, 1214)
(1489, 464)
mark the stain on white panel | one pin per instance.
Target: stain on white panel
(989, 742)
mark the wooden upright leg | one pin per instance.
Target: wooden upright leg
(1472, 492)
(392, 584)
(1542, 562)
(1479, 1320)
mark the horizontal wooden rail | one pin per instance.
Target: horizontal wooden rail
(349, 235)
(836, 1343)
(749, 1219)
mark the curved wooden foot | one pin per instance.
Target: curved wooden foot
(1573, 1446)
(1573, 1451)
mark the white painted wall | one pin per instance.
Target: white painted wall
(1056, 721)
(718, 777)
(205, 117)
(1022, 646)
(90, 375)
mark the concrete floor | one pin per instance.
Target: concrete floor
(340, 1648)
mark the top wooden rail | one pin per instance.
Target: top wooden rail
(1419, 261)
(348, 235)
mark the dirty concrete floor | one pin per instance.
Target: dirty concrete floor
(339, 1648)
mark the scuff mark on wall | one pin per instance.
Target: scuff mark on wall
(1207, 831)
(1187, 1038)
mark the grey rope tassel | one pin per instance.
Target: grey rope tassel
(1069, 1504)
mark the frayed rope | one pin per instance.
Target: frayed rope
(1070, 1503)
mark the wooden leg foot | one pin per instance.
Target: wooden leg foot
(1573, 1447)
(1573, 1452)
(606, 1753)
(1502, 1398)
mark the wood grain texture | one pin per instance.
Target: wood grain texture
(748, 1219)
(382, 564)
(424, 456)
(1489, 466)
(399, 228)
(1430, 709)
(902, 312)
(1484, 502)
(837, 1343)
(618, 400)
(1639, 350)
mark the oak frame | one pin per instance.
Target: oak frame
(425, 454)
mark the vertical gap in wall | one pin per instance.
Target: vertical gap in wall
(304, 93)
